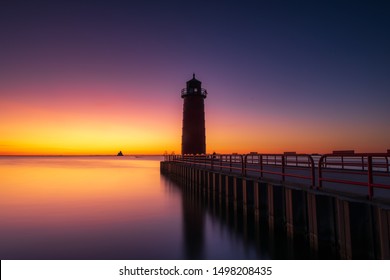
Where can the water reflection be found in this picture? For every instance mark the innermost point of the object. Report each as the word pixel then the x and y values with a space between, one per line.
pixel 86 208
pixel 122 208
pixel 216 229
pixel 193 226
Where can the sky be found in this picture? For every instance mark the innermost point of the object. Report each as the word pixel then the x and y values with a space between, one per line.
pixel 96 77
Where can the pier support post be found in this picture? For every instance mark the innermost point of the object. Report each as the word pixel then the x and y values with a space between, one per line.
pixel 276 206
pixel 229 192
pixel 296 211
pixel 204 180
pixel 289 212
pixel 362 230
pixel 312 221
pixel 238 189
pixel 215 183
pixel 383 218
pixel 326 223
pixel 222 188
pixel 248 192
pixel 343 229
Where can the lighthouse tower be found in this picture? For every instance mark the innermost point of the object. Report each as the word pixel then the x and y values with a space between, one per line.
pixel 193 139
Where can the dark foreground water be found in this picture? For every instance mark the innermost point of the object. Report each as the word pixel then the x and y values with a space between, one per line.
pixel 123 208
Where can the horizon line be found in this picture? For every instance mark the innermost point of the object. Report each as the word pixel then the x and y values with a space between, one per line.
pixel 77 155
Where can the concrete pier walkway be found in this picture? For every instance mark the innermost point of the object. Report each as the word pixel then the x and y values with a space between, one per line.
pixel 340 200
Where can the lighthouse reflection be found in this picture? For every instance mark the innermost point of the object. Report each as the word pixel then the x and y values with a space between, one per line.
pixel 193 226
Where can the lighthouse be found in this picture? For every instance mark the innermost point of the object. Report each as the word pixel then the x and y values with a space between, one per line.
pixel 193 139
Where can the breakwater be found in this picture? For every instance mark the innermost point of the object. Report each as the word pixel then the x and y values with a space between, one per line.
pixel 351 225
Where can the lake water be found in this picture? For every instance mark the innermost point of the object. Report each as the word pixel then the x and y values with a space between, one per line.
pixel 120 208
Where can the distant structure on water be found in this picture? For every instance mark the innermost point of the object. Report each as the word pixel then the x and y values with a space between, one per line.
pixel 194 131
pixel 120 154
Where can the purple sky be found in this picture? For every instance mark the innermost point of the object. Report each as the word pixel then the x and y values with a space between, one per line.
pixel 320 67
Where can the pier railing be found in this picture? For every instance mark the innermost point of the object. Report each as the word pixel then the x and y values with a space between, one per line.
pixel 371 170
pixel 338 172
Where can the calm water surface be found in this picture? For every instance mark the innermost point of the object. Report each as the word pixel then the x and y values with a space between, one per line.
pixel 104 208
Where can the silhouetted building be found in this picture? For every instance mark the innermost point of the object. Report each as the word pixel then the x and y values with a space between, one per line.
pixel 193 139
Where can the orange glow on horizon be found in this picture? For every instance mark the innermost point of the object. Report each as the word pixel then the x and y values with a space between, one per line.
pixel 72 123
pixel 83 128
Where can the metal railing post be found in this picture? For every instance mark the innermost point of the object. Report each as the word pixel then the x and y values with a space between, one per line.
pixel 313 173
pixel 320 162
pixel 370 178
pixel 261 166
pixel 243 165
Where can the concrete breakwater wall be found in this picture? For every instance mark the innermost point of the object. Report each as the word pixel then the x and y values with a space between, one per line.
pixel 356 228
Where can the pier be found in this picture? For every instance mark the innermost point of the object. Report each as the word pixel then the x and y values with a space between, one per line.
pixel 339 200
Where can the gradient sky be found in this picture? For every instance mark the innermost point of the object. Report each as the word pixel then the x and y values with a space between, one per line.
pixel 96 77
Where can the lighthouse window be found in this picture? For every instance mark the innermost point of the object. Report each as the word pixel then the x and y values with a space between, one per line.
pixel 196 90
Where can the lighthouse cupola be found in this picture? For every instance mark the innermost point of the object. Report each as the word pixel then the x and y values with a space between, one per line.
pixel 194 87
